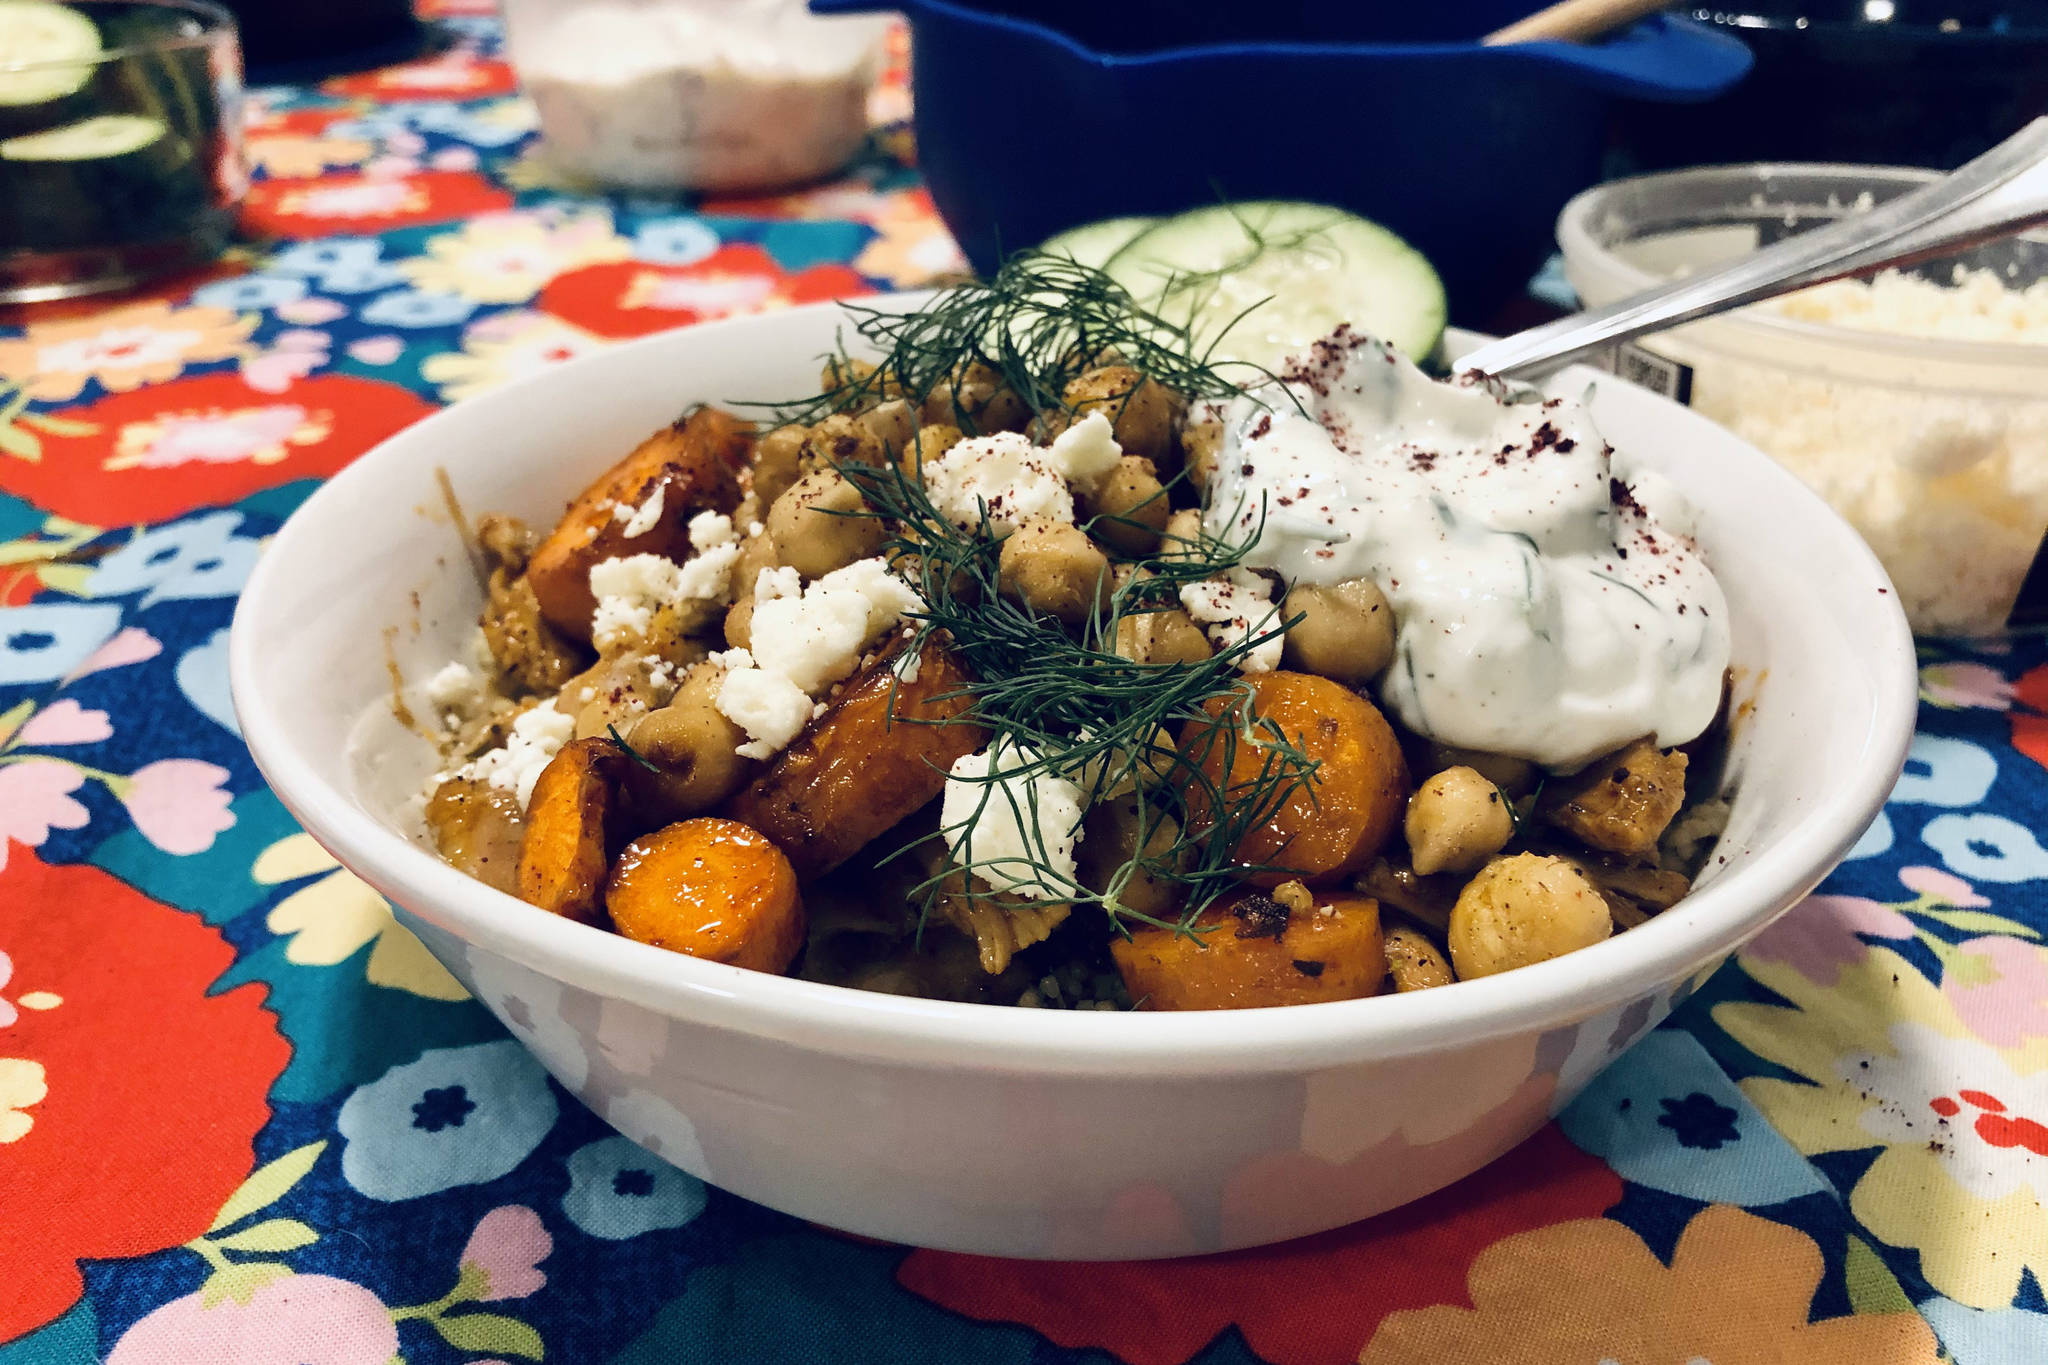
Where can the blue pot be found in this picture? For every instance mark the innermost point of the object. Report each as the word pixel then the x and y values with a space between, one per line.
pixel 1037 116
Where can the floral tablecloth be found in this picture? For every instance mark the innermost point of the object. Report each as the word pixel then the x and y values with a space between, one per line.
pixel 244 1117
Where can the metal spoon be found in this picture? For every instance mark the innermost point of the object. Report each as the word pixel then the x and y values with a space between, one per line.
pixel 2002 192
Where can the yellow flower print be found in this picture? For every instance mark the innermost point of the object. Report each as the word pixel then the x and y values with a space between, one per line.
pixel 22 1084
pixel 298 156
pixel 330 921
pixel 507 257
pixel 504 347
pixel 1963 1174
pixel 913 247
pixel 1737 1292
pixel 123 348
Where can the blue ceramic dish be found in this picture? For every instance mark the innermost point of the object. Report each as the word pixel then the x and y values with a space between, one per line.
pixel 1038 115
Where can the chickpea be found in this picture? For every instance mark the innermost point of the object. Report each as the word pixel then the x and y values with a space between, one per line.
pixel 739 624
pixel 976 400
pixel 622 689
pixel 1162 637
pixel 841 440
pixel 815 528
pixel 778 462
pixel 894 424
pixel 1182 536
pixel 1131 505
pixel 1456 821
pixel 1523 910
pixel 694 747
pixel 1110 840
pixel 1346 632
pixel 756 553
pixel 933 440
pixel 1515 776
pixel 1053 567
pixel 1201 446
pixel 1143 411
pixel 840 372
pixel 1414 962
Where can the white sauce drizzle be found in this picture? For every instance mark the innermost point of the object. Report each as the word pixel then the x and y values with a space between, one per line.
pixel 1550 603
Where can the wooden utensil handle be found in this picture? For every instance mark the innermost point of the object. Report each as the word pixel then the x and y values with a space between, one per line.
pixel 1573 21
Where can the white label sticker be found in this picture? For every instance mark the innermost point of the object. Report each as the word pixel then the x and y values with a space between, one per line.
pixel 1651 371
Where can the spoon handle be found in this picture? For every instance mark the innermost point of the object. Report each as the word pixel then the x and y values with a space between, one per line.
pixel 2001 192
pixel 1572 21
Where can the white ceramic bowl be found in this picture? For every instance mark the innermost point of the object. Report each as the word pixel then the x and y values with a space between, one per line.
pixel 1031 1132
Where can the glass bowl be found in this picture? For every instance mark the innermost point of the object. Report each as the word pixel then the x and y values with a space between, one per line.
pixel 1934 447
pixel 124 161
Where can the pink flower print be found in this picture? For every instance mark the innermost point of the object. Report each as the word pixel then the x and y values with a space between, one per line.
pixel 1959 685
pixel 376 350
pixel 63 721
pixel 311 311
pixel 179 804
pixel 1817 937
pixel 455 159
pixel 296 354
pixel 1999 987
pixel 133 645
pixel 35 798
pixel 260 435
pixel 1945 887
pixel 391 167
pixel 504 1254
pixel 292 1320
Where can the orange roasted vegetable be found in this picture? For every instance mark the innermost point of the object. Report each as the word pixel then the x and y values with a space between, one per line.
pixel 872 759
pixel 1329 827
pixel 570 830
pixel 1252 950
pixel 710 888
pixel 695 464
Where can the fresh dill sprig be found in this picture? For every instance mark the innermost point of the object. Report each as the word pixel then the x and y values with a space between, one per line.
pixel 1090 716
pixel 1038 324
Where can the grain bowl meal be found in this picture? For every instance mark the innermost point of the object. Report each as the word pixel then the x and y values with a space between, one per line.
pixel 1049 656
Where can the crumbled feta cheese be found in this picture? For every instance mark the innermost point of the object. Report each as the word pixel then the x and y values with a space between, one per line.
pixel 770 708
pixel 660 673
pixel 804 640
pixel 754 528
pixel 1087 451
pixel 1233 608
pixel 537 735
pixel 813 640
pixel 1015 831
pixel 1005 475
pixel 709 530
pixel 456 693
pixel 890 599
pixel 781 581
pixel 629 591
pixel 644 518
pixel 908 663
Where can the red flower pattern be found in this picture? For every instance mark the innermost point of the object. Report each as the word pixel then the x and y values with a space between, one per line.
pixel 633 298
pixel 154 1089
pixel 1310 1302
pixel 201 440
pixel 329 204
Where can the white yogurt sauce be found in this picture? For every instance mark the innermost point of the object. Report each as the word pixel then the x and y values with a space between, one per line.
pixel 1549 600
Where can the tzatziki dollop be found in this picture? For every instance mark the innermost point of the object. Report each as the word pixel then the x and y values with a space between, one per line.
pixel 1549 599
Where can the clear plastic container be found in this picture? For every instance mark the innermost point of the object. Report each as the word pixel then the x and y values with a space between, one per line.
pixel 1935 449
pixel 716 95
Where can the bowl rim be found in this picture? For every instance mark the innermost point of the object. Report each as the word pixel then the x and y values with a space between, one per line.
pixel 1575 235
pixel 867 1026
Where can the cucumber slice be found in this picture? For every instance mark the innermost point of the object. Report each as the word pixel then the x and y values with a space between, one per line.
pixel 1262 280
pixel 55 43
pixel 110 180
pixel 1092 244
pixel 93 139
